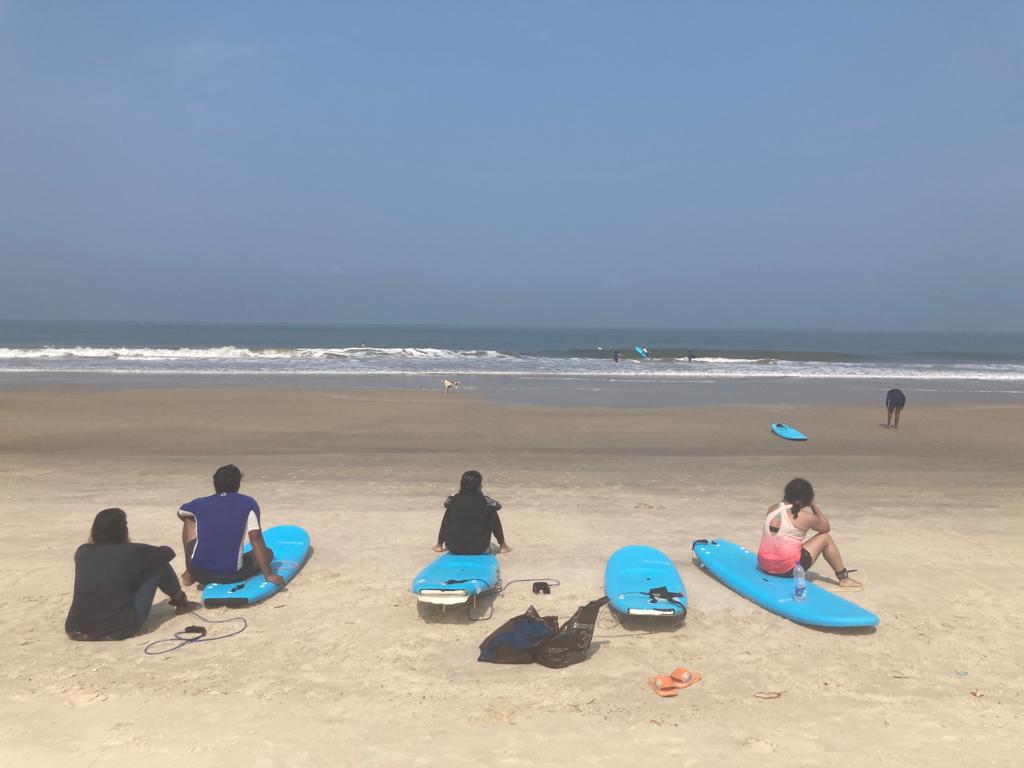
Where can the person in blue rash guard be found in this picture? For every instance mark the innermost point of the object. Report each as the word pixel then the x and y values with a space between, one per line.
pixel 214 530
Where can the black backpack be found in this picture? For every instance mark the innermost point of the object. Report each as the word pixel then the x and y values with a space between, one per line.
pixel 530 637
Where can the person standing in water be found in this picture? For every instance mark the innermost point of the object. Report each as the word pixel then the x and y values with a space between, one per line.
pixel 616 355
pixel 469 519
pixel 895 400
pixel 689 355
pixel 783 540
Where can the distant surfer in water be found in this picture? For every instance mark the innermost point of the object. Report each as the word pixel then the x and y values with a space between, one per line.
pixel 616 355
pixel 689 355
pixel 785 530
pixel 895 400
pixel 469 519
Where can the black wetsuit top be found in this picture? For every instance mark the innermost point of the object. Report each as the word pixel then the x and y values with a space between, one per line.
pixel 469 520
pixel 106 577
pixel 895 398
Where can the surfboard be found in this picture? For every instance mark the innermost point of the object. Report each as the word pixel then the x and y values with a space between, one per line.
pixel 291 550
pixel 736 567
pixel 633 572
pixel 453 579
pixel 787 432
pixel 640 351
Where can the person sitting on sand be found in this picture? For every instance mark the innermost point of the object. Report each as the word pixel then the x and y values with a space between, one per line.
pixel 116 580
pixel 785 529
pixel 895 401
pixel 214 530
pixel 469 519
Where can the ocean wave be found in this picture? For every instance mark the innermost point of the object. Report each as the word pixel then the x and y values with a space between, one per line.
pixel 430 361
pixel 238 353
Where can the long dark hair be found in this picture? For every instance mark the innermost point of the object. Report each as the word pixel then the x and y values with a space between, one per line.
pixel 799 493
pixel 472 482
pixel 110 527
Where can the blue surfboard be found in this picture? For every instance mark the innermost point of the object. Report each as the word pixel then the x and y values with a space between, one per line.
pixel 453 579
pixel 736 567
pixel 633 572
pixel 640 351
pixel 787 432
pixel 291 550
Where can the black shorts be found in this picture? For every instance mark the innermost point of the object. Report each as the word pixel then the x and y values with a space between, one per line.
pixel 249 568
pixel 805 562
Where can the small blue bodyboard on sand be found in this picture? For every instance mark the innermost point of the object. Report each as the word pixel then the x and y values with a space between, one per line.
pixel 291 550
pixel 453 579
pixel 632 572
pixel 787 432
pixel 736 567
pixel 640 351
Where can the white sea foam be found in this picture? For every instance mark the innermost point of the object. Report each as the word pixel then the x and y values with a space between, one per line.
pixel 236 353
pixel 403 361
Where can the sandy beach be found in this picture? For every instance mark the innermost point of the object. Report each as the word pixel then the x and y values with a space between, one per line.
pixel 341 670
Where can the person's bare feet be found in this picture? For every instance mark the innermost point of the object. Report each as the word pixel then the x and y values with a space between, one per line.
pixel 848 582
pixel 187 579
pixel 438 548
pixel 504 548
pixel 183 605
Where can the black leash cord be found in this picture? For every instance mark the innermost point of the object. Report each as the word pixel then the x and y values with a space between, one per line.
pixel 549 582
pixel 195 634
pixel 499 590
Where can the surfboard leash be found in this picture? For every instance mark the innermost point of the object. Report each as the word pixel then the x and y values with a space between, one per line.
pixel 195 634
pixel 497 591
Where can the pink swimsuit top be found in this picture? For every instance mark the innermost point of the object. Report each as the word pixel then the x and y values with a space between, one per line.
pixel 779 552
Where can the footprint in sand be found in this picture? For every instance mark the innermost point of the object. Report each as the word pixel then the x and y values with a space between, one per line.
pixel 759 746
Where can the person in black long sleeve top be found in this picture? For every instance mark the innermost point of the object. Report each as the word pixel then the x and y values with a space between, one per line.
pixel 469 519
pixel 116 580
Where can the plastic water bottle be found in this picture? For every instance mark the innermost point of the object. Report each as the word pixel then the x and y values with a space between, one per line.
pixel 799 583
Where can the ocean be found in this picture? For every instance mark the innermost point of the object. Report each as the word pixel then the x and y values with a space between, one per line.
pixel 508 360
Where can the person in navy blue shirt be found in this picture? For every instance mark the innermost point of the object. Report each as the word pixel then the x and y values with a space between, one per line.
pixel 214 530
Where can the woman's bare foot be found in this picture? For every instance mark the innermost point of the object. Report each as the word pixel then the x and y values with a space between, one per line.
pixel 848 582
pixel 504 548
pixel 183 605
pixel 187 579
pixel 438 548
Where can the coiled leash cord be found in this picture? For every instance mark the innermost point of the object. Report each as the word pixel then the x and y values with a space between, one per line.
pixel 194 634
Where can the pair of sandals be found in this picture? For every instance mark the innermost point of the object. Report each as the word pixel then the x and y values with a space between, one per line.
pixel 671 685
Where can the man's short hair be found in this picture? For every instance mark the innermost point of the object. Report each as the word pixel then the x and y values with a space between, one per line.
pixel 227 479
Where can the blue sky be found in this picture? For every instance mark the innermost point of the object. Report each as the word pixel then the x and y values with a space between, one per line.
pixel 729 164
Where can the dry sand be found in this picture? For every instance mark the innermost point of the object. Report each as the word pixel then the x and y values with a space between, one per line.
pixel 340 669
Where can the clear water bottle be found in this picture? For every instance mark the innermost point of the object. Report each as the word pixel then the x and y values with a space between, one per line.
pixel 799 583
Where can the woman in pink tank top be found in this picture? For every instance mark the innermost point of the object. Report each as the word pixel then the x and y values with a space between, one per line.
pixel 784 538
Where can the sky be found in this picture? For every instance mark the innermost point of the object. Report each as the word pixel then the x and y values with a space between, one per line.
pixel 810 165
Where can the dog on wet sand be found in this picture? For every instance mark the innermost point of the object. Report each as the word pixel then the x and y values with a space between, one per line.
pixel 449 386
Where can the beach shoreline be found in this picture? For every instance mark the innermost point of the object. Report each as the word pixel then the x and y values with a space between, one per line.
pixel 340 663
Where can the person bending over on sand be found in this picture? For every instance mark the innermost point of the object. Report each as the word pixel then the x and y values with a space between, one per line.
pixel 895 400
pixel 469 519
pixel 214 530
pixel 116 580
pixel 786 527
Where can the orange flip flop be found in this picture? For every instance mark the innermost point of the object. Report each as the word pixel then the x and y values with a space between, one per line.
pixel 684 678
pixel 663 685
